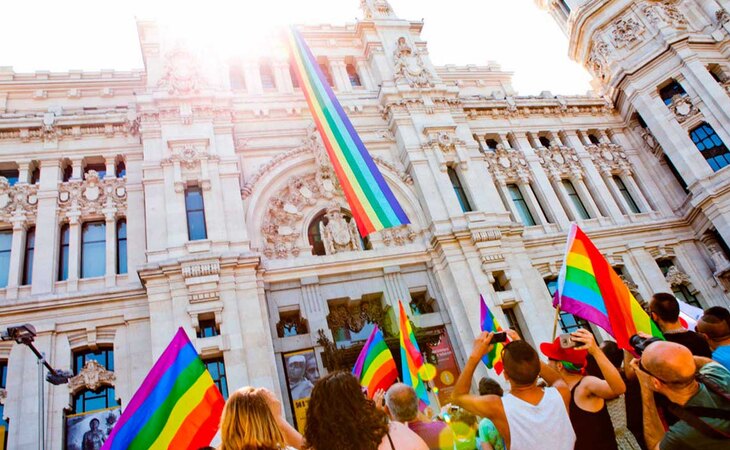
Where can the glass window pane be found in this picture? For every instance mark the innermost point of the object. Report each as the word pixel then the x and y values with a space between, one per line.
pixel 711 146
pixel 122 247
pixel 575 198
pixel 195 214
pixel 522 209
pixel 93 250
pixel 28 259
pixel 6 240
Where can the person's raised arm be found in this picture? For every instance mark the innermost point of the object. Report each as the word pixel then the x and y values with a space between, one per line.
pixel 292 437
pixel 484 406
pixel 613 385
pixel 653 428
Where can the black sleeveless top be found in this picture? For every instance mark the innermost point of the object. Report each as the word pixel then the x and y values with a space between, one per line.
pixel 593 430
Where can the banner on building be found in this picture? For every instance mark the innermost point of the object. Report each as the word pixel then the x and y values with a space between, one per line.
pixel 447 371
pixel 90 430
pixel 301 374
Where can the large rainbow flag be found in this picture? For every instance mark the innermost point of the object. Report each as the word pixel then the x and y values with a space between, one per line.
pixel 493 359
pixel 177 406
pixel 411 359
pixel 588 287
pixel 375 367
pixel 373 204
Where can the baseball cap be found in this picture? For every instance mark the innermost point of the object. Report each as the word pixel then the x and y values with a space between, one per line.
pixel 553 350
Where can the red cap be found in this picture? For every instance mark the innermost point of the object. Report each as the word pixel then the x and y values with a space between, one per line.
pixel 553 350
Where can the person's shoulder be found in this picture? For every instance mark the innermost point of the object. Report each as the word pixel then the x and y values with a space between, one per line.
pixel 404 437
pixel 717 372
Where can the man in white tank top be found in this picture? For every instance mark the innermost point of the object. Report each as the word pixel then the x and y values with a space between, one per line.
pixel 529 417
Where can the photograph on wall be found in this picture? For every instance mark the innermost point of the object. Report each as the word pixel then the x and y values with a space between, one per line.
pixel 301 374
pixel 89 431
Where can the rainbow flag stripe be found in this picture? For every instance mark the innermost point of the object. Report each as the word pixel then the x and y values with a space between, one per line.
pixel 588 287
pixel 374 207
pixel 493 359
pixel 410 357
pixel 177 406
pixel 375 367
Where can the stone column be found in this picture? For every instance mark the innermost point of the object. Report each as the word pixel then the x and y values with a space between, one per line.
pixel 396 289
pixel 585 195
pixel 545 188
pixel 314 308
pixel 617 196
pixel 564 198
pixel 177 233
pixel 504 193
pixel 253 77
pixel 532 202
pixel 594 180
pixel 23 171
pixel 111 170
pixel 363 72
pixel 339 75
pixel 709 91
pixel 47 229
pixel 675 141
pixel 17 254
pixel 649 269
pixel 136 236
pixel 281 76
pixel 74 250
pixel 77 168
pixel 110 275
pixel 630 182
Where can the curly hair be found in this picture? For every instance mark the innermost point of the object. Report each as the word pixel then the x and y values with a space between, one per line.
pixel 339 416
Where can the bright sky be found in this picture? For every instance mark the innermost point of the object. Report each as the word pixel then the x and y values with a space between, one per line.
pixel 99 34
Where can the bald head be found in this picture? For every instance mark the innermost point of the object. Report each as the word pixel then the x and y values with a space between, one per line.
pixel 715 328
pixel 671 363
pixel 402 402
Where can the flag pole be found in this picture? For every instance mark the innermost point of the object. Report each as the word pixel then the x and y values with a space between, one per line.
pixel 555 322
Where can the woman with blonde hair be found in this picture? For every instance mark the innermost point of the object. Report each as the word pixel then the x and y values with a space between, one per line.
pixel 252 420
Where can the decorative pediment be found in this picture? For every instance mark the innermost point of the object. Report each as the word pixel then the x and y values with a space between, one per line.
pixel 627 32
pixel 20 200
pixel 181 73
pixel 409 67
pixel 609 158
pixel 92 196
pixel 682 107
pixel 676 277
pixel 560 162
pixel 508 165
pixel 92 377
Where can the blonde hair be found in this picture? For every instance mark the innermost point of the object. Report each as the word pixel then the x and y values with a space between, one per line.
pixel 247 422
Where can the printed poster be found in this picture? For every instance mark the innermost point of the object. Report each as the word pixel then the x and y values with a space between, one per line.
pixel 301 374
pixel 89 431
pixel 447 371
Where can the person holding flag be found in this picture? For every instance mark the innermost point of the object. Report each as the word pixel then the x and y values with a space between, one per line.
pixel 411 358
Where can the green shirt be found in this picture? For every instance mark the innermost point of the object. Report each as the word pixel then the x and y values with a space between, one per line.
pixel 682 436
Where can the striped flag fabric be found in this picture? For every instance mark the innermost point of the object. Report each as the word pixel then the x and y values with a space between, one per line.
pixel 410 357
pixel 493 359
pixel 374 206
pixel 588 287
pixel 178 406
pixel 375 366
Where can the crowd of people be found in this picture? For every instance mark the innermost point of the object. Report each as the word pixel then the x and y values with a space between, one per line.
pixel 663 394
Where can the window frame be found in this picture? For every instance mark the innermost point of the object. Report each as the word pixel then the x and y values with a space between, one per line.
pixel 189 212
pixel 28 254
pixel 717 156
pixel 576 200
pixel 85 254
pixel 5 272
pixel 526 216
pixel 64 251
pixel 459 190
pixel 626 194
pixel 222 385
pixel 121 261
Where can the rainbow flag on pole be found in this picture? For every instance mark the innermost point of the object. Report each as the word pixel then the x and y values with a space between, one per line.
pixel 588 287
pixel 410 357
pixel 375 367
pixel 493 359
pixel 373 204
pixel 177 406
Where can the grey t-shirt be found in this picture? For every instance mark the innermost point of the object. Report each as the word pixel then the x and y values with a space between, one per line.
pixel 682 436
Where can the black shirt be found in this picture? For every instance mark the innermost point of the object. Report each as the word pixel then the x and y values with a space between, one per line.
pixel 693 341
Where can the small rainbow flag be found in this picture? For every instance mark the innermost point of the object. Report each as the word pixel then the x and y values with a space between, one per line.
pixel 411 359
pixel 375 367
pixel 373 204
pixel 589 288
pixel 493 359
pixel 177 406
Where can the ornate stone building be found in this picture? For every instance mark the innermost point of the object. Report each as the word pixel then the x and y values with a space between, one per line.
pixel 196 193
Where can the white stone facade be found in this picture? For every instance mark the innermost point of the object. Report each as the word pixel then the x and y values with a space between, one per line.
pixel 241 132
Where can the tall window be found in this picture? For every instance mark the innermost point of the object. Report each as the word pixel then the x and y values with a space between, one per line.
pixel 459 190
pixel 122 246
pixel 670 90
pixel 35 175
pixel 324 67
pixel 11 175
pixel 512 322
pixel 353 76
pixel 575 198
pixel 3 423
pixel 6 240
pixel 711 146
pixel 626 194
pixel 102 398
pixel 93 249
pixel 267 76
pixel 491 144
pixel 28 260
pixel 68 172
pixel 675 172
pixel 196 214
pixel 120 169
pixel 217 370
pixel 238 79
pixel 521 205
pixel 564 7
pixel 293 75
pixel 63 253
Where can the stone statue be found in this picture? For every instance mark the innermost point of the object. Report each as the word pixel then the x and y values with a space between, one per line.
pixel 339 235
pixel 409 66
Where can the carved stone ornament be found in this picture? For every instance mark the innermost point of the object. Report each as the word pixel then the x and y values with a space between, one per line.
pixel 719 260
pixel 444 140
pixel 409 67
pixel 650 141
pixel 20 200
pixel 375 9
pixel 92 196
pixel 560 162
pixel 627 31
pixel 682 107
pixel 675 277
pixel 664 12
pixel 508 165
pixel 3 397
pixel 91 377
pixel 339 235
pixel 354 316
pixel 398 236
pixel 181 73
pixel 288 322
pixel 722 17
pixel 609 158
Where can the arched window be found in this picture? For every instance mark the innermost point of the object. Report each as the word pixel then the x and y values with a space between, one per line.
pixel 102 398
pixel 315 237
pixel 594 139
pixel 545 142
pixel 711 146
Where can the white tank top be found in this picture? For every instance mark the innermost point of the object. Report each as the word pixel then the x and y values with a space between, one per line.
pixel 545 426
